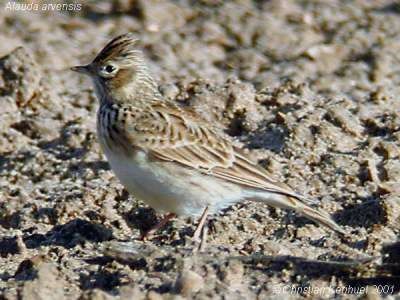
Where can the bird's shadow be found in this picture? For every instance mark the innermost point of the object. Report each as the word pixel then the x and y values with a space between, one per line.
pixel 69 235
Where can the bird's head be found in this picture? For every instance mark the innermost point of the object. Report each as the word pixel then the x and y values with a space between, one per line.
pixel 119 72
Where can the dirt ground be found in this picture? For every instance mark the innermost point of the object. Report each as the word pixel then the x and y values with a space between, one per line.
pixel 311 88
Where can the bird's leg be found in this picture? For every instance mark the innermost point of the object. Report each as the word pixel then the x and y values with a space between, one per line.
pixel 147 234
pixel 203 241
pixel 197 232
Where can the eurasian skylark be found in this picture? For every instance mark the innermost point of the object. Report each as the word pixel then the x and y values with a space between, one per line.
pixel 169 157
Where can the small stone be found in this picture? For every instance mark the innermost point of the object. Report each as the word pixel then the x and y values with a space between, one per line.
pixel 372 170
pixel 128 292
pixel 189 283
pixel 19 76
pixel 47 286
pixel 232 274
pixel 347 121
pixel 390 149
pixel 240 104
pixel 392 168
pixel 391 206
pixel 8 106
pixel 152 295
pixel 326 56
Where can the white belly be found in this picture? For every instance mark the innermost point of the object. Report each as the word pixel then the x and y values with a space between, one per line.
pixel 171 188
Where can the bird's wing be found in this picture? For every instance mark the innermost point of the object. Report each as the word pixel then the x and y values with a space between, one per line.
pixel 168 133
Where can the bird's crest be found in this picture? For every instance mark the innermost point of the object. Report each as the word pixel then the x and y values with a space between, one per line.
pixel 121 48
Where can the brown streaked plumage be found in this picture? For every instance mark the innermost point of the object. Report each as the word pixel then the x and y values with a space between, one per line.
pixel 120 48
pixel 168 156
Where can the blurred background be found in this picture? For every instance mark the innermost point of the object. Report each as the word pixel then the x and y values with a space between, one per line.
pixel 337 46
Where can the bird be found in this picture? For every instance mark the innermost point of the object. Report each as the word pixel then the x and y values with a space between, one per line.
pixel 170 157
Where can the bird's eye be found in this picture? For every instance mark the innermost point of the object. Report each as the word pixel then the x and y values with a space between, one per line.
pixel 109 68
pixel 108 71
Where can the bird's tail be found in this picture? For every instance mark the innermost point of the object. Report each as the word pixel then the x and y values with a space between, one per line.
pixel 299 205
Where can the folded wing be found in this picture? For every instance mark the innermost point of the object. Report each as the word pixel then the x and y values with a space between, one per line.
pixel 169 134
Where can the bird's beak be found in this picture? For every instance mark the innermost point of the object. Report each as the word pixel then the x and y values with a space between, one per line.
pixel 82 69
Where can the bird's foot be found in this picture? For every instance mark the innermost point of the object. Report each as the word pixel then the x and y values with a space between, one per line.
pixel 200 233
pixel 147 235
